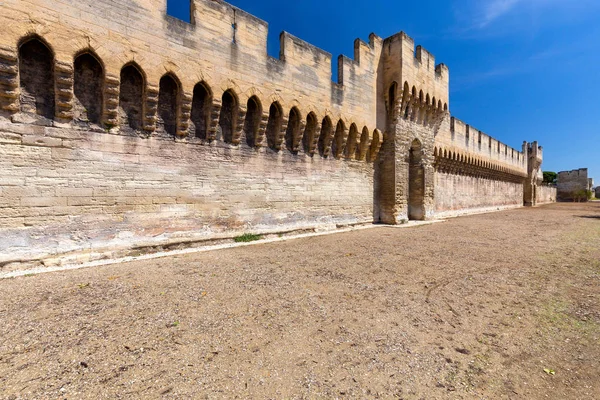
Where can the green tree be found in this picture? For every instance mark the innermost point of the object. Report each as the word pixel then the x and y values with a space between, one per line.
pixel 550 177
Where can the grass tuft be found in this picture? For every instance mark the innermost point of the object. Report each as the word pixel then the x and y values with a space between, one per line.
pixel 247 237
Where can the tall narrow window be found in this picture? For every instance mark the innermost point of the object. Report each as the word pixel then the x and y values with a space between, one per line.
pixel 200 115
pixel 308 139
pixel 227 117
pixel 293 130
pixel 36 73
pixel 87 88
pixel 131 98
pixel 168 104
pixel 252 122
pixel 274 126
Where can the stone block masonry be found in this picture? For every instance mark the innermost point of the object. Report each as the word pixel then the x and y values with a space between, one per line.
pixel 123 128
pixel 98 191
pixel 546 194
pixel 571 185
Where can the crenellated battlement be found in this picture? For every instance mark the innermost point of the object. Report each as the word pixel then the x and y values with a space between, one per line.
pixel 427 61
pixel 212 80
pixel 218 62
pixel 465 139
pixel 571 184
pixel 121 125
pixel 415 68
pixel 225 49
pixel 581 172
pixel 534 150
pixel 464 150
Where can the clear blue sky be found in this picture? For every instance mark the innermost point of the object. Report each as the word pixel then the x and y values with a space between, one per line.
pixel 519 69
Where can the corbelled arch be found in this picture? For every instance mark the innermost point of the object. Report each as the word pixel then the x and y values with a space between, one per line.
pixel 421 108
pixel 364 143
pixel 426 109
pixel 339 139
pixel 36 77
pixel 310 137
pixel 169 103
pixel 376 142
pixel 326 136
pixel 88 87
pixel 294 130
pixel 274 126
pixel 228 116
pixel 352 142
pixel 132 88
pixel 201 110
pixel 253 120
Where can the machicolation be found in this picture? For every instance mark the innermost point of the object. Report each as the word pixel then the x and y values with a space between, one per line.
pixel 122 127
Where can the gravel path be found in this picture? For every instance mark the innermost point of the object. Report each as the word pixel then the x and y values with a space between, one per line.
pixel 494 306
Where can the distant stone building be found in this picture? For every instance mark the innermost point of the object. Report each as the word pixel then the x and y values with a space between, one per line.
pixel 571 184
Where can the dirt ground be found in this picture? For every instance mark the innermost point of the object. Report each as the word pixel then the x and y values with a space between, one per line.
pixel 496 306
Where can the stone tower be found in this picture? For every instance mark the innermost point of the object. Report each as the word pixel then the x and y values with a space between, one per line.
pixel 414 97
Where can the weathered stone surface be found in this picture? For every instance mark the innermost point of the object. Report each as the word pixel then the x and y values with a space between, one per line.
pixel 546 194
pixel 121 126
pixel 572 185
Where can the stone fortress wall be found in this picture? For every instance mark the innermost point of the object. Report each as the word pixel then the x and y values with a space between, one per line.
pixel 123 128
pixel 487 165
pixel 568 183
pixel 546 194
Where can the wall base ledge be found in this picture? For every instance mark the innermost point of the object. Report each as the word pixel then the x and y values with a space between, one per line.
pixel 472 211
pixel 148 249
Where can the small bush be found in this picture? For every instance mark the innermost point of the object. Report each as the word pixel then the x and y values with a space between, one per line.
pixel 247 237
pixel 582 195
